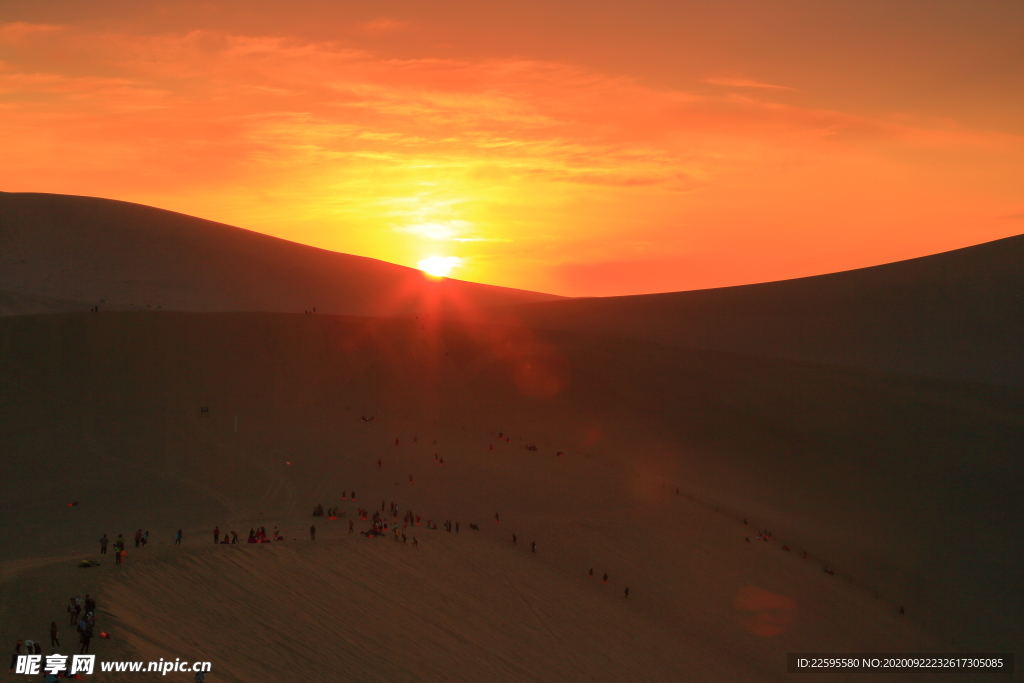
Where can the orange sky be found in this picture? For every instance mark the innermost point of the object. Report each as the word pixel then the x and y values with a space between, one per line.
pixel 565 147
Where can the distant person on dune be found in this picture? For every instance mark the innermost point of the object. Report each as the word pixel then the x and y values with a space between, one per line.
pixel 312 532
pixel 19 649
pixel 54 641
pixel 177 537
pixel 351 528
pixel 415 543
pixel 145 538
pixel 514 539
pixel 533 546
pixel 216 534
pixel 103 544
pixel 497 517
pixel 138 537
pixel 234 538
pixel 604 579
pixel 627 592
pixel 84 639
pixel 591 573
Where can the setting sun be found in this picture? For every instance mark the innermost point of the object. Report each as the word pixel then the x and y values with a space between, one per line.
pixel 725 266
pixel 439 266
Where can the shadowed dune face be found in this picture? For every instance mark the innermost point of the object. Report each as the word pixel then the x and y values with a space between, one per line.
pixel 63 253
pixel 907 486
pixel 958 315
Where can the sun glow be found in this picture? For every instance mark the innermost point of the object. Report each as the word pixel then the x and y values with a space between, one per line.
pixel 439 266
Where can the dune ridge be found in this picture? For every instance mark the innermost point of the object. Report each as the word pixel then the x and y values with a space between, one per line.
pixel 871 421
pixel 958 315
pixel 62 253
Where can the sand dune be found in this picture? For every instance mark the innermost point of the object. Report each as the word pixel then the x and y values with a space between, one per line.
pixel 871 420
pixel 66 253
pixel 959 315
pixel 908 487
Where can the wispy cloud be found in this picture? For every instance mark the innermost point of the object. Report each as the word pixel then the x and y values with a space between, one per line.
pixel 511 160
pixel 383 25
pixel 19 31
pixel 744 83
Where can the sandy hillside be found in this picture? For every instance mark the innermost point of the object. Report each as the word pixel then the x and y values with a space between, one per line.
pixel 959 315
pixel 907 487
pixel 67 253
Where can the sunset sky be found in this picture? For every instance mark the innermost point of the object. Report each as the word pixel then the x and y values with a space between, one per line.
pixel 579 148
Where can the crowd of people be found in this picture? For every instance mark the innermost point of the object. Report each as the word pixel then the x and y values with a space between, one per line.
pixel 118 546
pixel 259 535
pixel 82 615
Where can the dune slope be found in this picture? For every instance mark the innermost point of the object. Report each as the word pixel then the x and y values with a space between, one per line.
pixel 907 487
pixel 67 253
pixel 958 314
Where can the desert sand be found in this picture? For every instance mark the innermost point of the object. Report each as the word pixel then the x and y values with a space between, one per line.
pixel 651 462
pixel 61 253
pixel 958 315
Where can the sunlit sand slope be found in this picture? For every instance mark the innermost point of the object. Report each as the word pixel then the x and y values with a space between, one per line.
pixel 67 253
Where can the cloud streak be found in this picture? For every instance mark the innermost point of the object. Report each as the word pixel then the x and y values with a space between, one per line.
pixel 522 164
pixel 744 83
